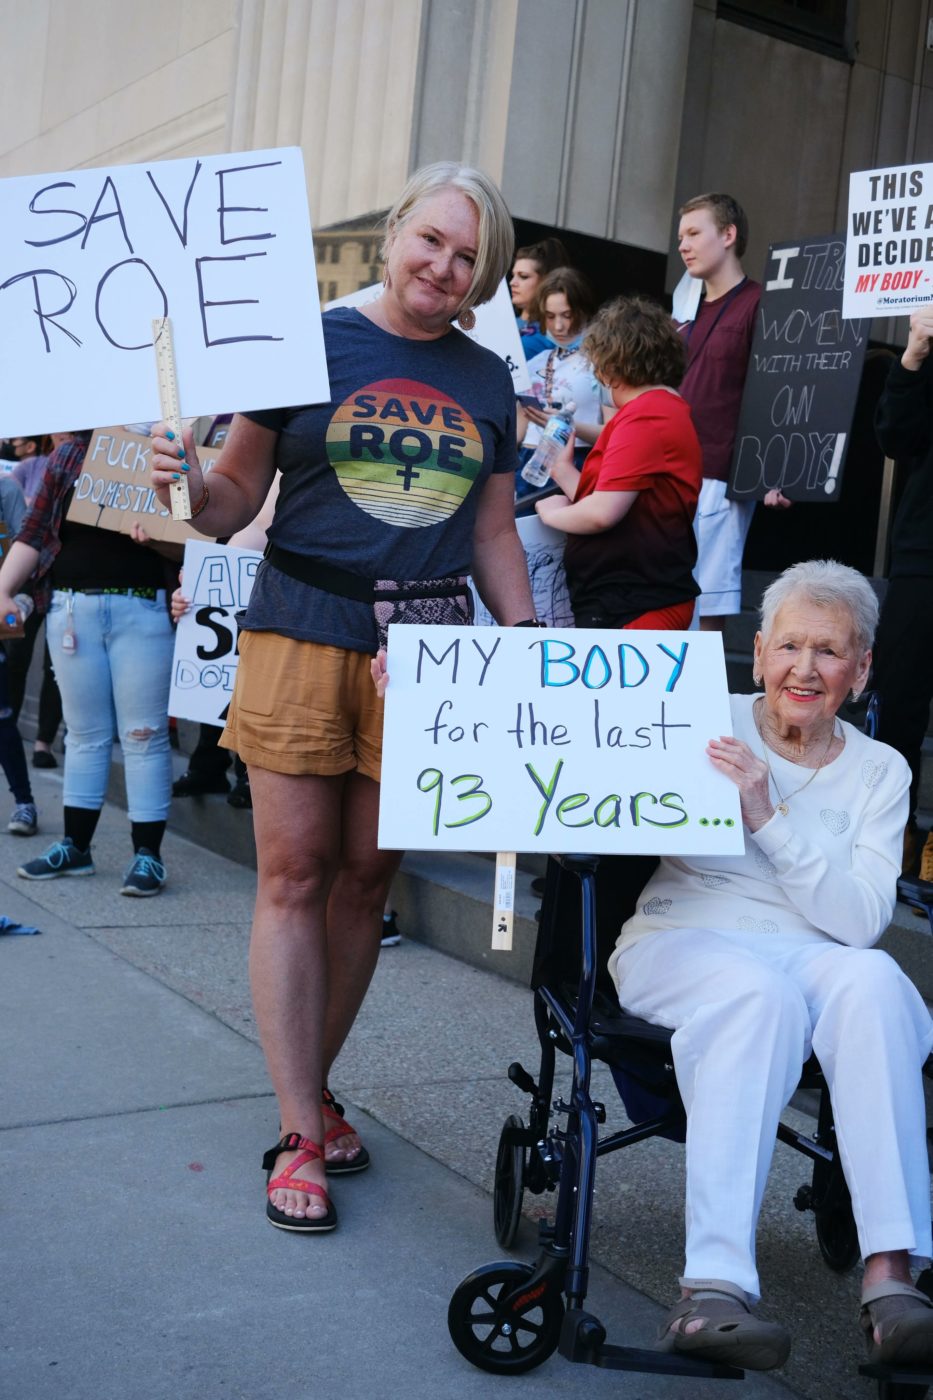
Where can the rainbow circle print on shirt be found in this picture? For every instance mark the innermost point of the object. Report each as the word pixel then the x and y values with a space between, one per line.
pixel 404 452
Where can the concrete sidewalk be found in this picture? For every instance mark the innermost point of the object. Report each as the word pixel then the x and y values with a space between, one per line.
pixel 134 1113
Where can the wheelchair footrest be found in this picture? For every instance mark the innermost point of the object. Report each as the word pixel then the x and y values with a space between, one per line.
pixel 583 1339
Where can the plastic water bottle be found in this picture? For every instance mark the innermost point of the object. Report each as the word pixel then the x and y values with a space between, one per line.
pixel 555 435
pixel 25 605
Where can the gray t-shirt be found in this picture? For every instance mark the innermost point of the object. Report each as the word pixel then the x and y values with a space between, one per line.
pixel 384 480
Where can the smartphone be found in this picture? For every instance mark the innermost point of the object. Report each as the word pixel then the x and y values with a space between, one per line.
pixel 529 401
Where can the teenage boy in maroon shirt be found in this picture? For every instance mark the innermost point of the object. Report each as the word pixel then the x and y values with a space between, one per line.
pixel 712 236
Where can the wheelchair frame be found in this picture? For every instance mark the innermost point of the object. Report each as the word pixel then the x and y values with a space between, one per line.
pixel 509 1317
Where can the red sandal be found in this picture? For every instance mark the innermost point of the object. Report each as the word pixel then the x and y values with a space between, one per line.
pixel 333 1111
pixel 308 1151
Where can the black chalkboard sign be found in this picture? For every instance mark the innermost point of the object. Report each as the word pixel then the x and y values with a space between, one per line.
pixel 803 377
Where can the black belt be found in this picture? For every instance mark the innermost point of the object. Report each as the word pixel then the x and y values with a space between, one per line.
pixel 341 582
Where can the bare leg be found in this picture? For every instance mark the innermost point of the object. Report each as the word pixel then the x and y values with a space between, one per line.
pixel 354 924
pixel 297 824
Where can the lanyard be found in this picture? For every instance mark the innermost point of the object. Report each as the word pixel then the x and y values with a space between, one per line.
pixel 730 296
pixel 560 352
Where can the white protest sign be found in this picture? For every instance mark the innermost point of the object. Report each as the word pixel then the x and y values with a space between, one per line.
pixel 889 242
pixel 495 328
pixel 508 739
pixel 544 555
pixel 221 244
pixel 218 580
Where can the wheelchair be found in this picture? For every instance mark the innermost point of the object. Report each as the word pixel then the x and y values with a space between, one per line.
pixel 507 1318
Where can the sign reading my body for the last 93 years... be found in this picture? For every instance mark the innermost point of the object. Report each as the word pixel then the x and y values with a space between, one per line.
pixel 513 739
pixel 889 241
pixel 221 244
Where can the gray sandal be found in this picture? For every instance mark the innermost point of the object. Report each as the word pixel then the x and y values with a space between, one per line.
pixel 904 1317
pixel 729 1330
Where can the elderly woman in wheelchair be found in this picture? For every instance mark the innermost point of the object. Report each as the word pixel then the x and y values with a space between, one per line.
pixel 756 960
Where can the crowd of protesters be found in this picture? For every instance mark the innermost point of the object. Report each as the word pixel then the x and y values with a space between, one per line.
pixel 652 541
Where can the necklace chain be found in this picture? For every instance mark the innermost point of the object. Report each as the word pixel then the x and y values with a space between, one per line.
pixel 782 800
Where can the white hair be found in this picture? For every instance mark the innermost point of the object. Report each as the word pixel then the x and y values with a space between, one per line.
pixel 826 584
pixel 496 241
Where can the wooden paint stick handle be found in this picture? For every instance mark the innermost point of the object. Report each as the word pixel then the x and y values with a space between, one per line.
pixel 504 902
pixel 171 408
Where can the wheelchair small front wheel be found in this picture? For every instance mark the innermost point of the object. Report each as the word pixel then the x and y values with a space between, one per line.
pixel 506 1339
pixel 509 1184
pixel 836 1235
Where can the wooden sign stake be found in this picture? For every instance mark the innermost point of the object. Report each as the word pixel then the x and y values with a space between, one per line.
pixel 171 410
pixel 503 911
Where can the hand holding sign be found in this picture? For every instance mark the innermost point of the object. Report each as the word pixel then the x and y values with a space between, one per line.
pixel 919 340
pixel 172 461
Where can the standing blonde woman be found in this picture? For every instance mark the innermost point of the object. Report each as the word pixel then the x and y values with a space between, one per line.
pixel 404 478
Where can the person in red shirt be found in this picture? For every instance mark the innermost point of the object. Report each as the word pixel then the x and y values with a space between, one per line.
pixel 631 550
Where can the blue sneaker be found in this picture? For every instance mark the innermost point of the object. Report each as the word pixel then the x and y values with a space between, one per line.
pixel 63 858
pixel 25 820
pixel 144 876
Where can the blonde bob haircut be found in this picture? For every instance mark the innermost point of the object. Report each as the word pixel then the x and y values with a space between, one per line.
pixel 496 241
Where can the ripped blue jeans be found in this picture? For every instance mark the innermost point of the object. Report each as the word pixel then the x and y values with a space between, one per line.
pixel 114 682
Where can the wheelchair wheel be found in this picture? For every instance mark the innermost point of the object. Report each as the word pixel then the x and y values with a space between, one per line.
pixel 509 1185
pixel 504 1341
pixel 836 1235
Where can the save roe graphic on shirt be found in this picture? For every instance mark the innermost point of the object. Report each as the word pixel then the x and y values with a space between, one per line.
pixel 384 480
pixel 404 452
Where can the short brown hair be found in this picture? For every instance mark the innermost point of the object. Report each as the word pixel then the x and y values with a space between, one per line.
pixel 726 212
pixel 576 288
pixel 634 340
pixel 546 254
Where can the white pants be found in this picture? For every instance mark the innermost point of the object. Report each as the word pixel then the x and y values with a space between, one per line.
pixel 746 1009
pixel 720 526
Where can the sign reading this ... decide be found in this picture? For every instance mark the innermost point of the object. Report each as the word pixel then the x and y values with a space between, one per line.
pixel 889 243
pixel 88 258
pixel 507 739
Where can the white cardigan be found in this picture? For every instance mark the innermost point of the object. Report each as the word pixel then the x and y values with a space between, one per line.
pixel 828 869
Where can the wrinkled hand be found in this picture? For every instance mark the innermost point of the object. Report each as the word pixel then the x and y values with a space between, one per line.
pixel 918 342
pixel 735 759
pixel 180 604
pixel 377 669
pixel 777 500
pixel 169 461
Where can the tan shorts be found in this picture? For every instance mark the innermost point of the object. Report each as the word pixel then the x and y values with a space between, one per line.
pixel 300 707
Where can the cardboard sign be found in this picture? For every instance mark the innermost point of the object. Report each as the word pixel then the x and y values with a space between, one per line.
pixel 803 378
pixel 544 555
pixel 505 739
pixel 889 241
pixel 218 580
pixel 495 328
pixel 114 492
pixel 221 244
